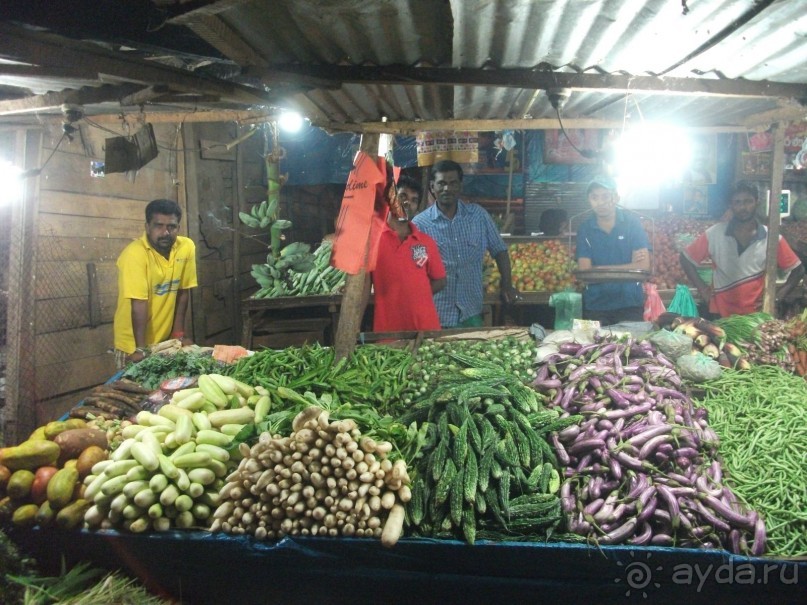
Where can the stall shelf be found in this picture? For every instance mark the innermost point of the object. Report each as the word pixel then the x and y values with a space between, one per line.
pixel 198 568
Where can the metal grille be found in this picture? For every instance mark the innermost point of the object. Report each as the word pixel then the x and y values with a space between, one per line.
pixel 5 219
pixel 540 196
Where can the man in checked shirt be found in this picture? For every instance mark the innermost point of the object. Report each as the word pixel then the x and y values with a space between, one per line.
pixel 463 231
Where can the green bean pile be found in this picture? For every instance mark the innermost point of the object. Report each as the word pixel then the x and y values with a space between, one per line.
pixel 760 416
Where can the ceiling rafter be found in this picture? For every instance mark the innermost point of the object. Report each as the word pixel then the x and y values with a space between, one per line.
pixel 53 100
pixel 336 75
pixel 49 50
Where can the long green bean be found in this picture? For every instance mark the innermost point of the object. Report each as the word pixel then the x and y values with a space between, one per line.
pixel 760 416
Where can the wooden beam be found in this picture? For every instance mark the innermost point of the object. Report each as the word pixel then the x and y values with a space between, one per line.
pixel 777 175
pixel 48 50
pixel 352 309
pixel 250 116
pixel 413 126
pixel 788 111
pixel 88 95
pixel 405 75
pixel 144 95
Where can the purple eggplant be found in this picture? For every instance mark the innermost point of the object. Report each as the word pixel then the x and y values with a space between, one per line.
pixel 629 461
pixel 547 384
pixel 560 451
pixel 569 433
pixel 569 348
pixel 672 505
pixel 725 511
pixel 661 540
pixel 637 485
pixel 653 431
pixel 711 518
pixel 584 445
pixel 649 509
pixel 620 534
pixel 760 538
pixel 634 410
pixel 644 535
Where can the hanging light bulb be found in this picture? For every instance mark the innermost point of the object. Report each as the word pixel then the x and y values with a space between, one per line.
pixel 290 121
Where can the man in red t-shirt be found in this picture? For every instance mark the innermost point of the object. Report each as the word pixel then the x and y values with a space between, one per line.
pixel 408 270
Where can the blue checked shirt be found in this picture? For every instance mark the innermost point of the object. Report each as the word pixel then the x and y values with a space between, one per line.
pixel 462 242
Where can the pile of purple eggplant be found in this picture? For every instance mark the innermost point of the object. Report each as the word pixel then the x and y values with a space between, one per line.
pixel 640 468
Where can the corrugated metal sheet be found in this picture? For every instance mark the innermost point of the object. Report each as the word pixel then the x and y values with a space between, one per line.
pixel 716 38
pixel 752 39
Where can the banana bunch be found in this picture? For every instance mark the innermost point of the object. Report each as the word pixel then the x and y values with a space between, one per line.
pixel 710 340
pixel 261 215
pixel 297 272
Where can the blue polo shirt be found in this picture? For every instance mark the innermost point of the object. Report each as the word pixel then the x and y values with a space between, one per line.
pixel 615 248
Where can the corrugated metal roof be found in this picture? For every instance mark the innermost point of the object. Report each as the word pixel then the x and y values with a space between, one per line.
pixel 755 40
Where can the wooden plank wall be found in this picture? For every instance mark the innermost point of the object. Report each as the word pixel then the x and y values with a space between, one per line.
pixel 219 186
pixel 84 220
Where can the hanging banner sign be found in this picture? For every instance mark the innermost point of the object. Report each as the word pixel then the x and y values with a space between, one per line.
pixel 462 147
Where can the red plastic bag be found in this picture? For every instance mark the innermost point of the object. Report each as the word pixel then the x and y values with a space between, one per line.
pixel 653 307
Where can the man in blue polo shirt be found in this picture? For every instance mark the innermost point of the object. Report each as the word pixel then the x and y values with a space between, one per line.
pixel 463 232
pixel 611 239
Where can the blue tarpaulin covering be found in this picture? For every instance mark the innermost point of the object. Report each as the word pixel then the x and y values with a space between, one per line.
pixel 199 567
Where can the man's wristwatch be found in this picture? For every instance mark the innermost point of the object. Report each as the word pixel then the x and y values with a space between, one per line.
pixel 142 350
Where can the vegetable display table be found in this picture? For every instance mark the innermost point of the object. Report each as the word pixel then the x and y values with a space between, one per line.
pixel 200 568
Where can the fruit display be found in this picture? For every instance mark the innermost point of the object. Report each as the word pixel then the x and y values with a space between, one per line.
pixel 536 266
pixel 668 236
pixel 795 232
pixel 41 478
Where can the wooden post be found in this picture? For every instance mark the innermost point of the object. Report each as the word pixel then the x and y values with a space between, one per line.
pixel 352 310
pixel 94 298
pixel 19 415
pixel 777 175
pixel 190 155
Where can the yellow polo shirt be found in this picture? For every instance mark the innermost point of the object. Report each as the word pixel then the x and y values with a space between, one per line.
pixel 145 274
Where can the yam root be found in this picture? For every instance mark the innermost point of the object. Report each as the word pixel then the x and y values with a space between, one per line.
pixel 75 441
pixel 129 387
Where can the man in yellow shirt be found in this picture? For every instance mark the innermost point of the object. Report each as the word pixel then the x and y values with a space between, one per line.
pixel 155 274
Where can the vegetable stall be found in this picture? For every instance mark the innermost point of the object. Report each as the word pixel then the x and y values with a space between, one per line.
pixel 425 466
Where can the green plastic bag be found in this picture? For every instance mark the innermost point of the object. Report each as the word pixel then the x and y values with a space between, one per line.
pixel 683 303
pixel 568 307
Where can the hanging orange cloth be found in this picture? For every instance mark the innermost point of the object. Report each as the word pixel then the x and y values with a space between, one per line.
pixel 362 214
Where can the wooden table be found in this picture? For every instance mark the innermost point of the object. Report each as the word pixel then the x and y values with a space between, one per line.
pixel 257 311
